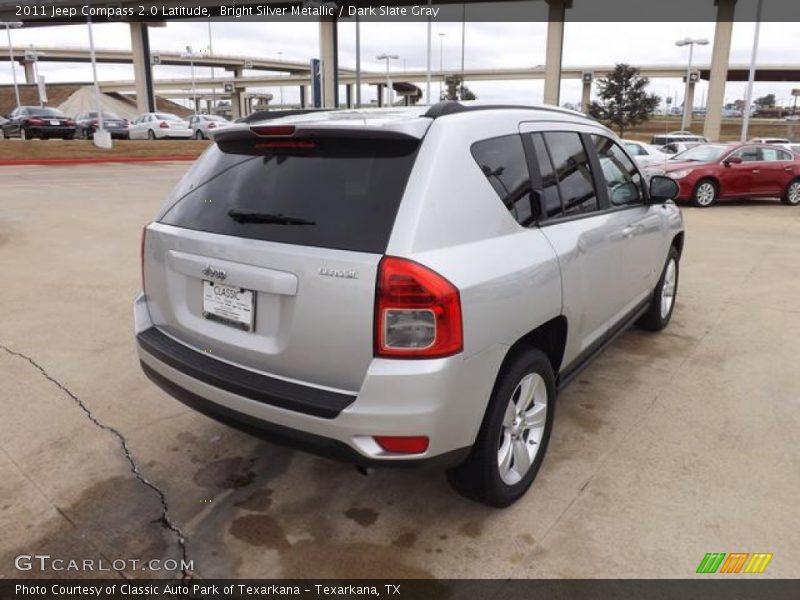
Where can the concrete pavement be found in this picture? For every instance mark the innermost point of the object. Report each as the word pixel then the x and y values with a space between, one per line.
pixel 669 446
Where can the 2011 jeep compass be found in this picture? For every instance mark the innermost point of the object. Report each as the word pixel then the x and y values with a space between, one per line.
pixel 404 286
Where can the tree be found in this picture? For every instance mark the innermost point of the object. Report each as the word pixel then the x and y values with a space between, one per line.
pixel 456 90
pixel 624 101
pixel 767 101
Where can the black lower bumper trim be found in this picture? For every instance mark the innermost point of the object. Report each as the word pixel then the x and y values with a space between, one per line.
pixel 293 438
pixel 261 388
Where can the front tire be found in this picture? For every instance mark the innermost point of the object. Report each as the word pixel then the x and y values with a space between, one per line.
pixel 513 438
pixel 659 313
pixel 791 196
pixel 705 193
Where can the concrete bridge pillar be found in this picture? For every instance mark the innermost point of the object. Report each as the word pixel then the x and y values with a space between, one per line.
pixel 329 54
pixel 720 59
pixel 142 69
pixel 554 49
pixel 688 106
pixel 30 73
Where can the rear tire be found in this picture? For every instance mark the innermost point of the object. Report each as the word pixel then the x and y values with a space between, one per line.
pixel 705 193
pixel 791 197
pixel 513 437
pixel 659 313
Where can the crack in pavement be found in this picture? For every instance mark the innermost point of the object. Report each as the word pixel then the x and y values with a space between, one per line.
pixel 164 519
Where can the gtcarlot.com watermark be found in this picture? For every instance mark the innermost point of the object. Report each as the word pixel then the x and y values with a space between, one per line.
pixel 46 563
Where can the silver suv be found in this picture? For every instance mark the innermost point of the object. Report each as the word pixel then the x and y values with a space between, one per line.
pixel 404 286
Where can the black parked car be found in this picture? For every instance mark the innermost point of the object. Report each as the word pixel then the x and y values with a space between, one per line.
pixel 87 123
pixel 29 122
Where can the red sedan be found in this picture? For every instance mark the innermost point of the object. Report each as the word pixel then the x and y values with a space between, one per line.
pixel 714 172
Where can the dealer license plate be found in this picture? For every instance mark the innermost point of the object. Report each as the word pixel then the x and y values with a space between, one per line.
pixel 55 122
pixel 229 305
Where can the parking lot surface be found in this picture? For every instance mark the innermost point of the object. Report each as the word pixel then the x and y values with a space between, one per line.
pixel 669 446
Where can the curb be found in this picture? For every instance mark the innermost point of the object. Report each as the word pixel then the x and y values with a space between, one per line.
pixel 93 160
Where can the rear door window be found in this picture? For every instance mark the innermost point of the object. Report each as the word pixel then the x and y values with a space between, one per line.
pixel 502 161
pixel 573 171
pixel 548 184
pixel 330 193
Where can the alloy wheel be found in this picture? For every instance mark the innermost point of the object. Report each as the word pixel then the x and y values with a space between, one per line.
pixel 668 288
pixel 705 193
pixel 522 429
pixel 793 194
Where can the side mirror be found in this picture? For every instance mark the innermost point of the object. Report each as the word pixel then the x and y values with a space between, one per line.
pixel 663 188
pixel 732 160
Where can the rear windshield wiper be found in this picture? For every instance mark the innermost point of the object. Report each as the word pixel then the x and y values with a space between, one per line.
pixel 243 216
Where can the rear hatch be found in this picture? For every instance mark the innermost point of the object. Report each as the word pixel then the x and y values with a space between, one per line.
pixel 266 254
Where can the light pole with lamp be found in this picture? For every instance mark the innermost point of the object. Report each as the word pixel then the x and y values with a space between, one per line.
pixel 9 25
pixel 441 62
pixel 687 110
pixel 387 58
pixel 280 59
pixel 190 55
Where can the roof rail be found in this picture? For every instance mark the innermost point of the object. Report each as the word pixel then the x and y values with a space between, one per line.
pixel 267 115
pixel 451 107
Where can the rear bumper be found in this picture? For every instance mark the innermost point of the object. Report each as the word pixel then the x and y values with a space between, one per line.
pixel 443 399
pixel 173 133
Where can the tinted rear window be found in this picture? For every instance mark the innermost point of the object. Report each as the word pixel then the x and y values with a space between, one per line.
pixel 349 189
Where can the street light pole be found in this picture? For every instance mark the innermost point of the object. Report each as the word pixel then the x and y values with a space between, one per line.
pixel 428 57
pixel 441 62
pixel 280 59
pixel 751 77
pixel 687 110
pixel 9 25
pixel 190 55
pixel 358 62
pixel 211 54
pixel 100 127
pixel 387 58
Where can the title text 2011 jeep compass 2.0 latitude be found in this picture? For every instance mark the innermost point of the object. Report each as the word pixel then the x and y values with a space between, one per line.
pixel 401 286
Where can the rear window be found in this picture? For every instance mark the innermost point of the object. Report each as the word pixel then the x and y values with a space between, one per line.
pixel 334 193
pixel 45 112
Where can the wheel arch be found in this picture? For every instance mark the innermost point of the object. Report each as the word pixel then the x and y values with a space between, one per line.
pixel 677 243
pixel 549 337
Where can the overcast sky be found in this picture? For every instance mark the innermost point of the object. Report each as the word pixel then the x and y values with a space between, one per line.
pixel 488 45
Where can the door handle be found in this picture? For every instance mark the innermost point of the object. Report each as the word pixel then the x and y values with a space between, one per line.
pixel 788 169
pixel 756 171
pixel 629 231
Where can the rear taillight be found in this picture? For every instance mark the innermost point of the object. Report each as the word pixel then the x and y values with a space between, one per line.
pixel 36 121
pixel 164 125
pixel 212 125
pixel 417 312
pixel 70 122
pixel 141 254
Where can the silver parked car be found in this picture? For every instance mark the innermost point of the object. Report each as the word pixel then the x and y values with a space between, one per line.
pixel 406 285
pixel 159 126
pixel 203 126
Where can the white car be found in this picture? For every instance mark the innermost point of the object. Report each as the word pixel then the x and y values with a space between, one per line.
pixel 645 155
pixel 202 126
pixel 674 148
pixel 769 140
pixel 159 126
pixel 794 147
